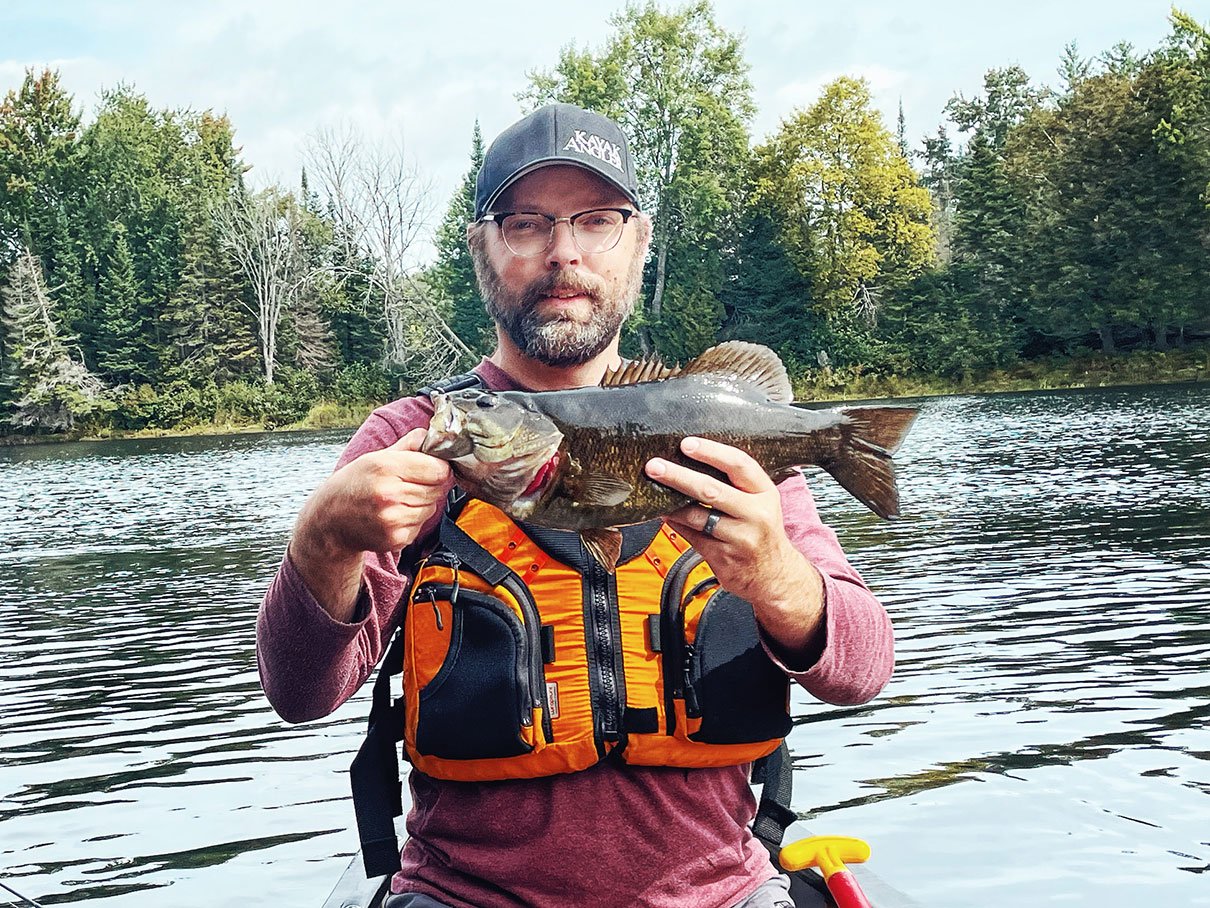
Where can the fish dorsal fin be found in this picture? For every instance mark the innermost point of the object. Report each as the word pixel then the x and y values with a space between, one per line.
pixel 636 371
pixel 604 545
pixel 751 364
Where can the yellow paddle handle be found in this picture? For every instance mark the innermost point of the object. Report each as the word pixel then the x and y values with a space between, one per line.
pixel 829 853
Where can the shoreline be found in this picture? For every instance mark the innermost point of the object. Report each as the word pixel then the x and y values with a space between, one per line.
pixel 1140 369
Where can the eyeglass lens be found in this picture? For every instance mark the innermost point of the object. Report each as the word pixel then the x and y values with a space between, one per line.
pixel 527 233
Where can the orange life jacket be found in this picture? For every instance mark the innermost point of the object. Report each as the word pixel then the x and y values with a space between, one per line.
pixel 523 657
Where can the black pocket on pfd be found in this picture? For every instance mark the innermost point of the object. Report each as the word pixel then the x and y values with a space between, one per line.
pixel 480 703
pixel 742 696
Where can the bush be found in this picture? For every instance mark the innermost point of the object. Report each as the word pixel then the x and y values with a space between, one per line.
pixel 361 383
pixel 329 414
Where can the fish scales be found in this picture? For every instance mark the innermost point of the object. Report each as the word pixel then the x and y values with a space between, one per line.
pixel 615 431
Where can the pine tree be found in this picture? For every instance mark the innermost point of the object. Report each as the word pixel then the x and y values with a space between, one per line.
pixel 453 276
pixel 50 389
pixel 901 133
pixel 122 345
pixel 38 161
pixel 211 335
pixel 768 300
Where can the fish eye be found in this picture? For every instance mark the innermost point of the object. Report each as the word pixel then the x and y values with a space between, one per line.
pixel 486 401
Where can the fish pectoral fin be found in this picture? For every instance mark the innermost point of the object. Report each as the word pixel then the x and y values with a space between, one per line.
pixel 601 490
pixel 605 545
pixel 752 364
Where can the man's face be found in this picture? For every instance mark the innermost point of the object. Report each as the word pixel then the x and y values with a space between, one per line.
pixel 563 306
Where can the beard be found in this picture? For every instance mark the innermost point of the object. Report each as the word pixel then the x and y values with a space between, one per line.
pixel 559 339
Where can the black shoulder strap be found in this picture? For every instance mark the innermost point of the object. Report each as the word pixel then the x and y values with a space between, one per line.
pixel 775 775
pixel 374 774
pixel 452 384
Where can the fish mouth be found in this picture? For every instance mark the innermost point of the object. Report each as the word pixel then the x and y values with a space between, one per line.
pixel 445 437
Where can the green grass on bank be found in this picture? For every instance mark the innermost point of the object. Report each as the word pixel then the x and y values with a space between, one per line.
pixel 324 414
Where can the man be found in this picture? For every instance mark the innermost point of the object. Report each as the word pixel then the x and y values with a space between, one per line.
pixel 559 243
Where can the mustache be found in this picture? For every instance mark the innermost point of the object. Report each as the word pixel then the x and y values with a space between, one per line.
pixel 562 282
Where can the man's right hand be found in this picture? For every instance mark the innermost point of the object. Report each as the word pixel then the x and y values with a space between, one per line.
pixel 376 503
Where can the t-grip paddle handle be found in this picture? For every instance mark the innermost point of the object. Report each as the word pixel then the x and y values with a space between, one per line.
pixel 829 853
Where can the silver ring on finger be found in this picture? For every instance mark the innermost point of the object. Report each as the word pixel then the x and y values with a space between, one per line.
pixel 711 524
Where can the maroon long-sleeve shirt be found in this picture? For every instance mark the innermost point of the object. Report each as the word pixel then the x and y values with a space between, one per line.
pixel 611 835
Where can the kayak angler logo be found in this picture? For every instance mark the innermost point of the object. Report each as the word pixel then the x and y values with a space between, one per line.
pixel 589 144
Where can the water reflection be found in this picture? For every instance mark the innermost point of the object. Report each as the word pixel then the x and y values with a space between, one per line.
pixel 1044 737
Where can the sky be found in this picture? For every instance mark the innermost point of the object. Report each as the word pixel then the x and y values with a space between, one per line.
pixel 422 73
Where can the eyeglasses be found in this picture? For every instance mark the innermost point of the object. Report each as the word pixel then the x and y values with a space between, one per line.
pixel 529 233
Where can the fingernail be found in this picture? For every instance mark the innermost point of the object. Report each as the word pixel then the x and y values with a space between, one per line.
pixel 689 445
pixel 655 466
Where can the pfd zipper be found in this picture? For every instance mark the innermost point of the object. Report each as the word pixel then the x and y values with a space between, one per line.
pixel 602 635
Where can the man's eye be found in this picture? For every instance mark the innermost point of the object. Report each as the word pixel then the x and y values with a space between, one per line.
pixel 598 221
pixel 524 224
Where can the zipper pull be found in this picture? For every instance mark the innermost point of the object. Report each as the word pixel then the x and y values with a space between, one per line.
pixel 692 707
pixel 456 564
pixel 436 611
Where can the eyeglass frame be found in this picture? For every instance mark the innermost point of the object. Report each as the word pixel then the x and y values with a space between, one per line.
pixel 497 218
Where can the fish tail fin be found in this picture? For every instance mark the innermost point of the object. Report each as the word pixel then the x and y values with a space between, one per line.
pixel 863 464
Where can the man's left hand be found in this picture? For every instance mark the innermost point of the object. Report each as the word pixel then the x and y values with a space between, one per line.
pixel 748 549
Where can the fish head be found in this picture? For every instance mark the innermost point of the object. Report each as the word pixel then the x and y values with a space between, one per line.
pixel 500 447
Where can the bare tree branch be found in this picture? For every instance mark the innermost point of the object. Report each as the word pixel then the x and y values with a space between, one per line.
pixel 264 234
pixel 382 206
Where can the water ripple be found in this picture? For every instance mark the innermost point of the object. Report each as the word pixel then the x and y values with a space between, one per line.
pixel 1044 735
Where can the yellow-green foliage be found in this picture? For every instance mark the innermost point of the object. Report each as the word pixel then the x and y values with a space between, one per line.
pixel 331 415
pixel 852 210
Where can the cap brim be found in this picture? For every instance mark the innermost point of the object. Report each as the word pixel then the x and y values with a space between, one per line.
pixel 547 162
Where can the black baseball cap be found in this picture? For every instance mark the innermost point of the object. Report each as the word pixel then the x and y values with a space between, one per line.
pixel 556 134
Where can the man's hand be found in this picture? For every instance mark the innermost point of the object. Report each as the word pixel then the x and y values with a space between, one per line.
pixel 751 555
pixel 377 503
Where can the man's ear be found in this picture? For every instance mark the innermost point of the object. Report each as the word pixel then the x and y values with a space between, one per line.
pixel 647 229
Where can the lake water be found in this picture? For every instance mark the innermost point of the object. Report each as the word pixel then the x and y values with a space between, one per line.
pixel 1044 739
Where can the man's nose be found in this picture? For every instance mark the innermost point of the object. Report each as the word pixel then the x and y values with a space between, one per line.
pixel 563 250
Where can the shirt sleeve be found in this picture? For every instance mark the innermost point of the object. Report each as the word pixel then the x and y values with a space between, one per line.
pixel 859 647
pixel 310 663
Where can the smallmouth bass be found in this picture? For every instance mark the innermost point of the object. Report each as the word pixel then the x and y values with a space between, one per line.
pixel 574 459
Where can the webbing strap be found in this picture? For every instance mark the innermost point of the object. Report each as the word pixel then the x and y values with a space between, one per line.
pixel 775 775
pixel 452 384
pixel 374 774
pixel 473 555
pixel 773 813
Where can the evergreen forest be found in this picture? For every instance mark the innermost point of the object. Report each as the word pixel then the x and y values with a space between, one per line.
pixel 146 283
